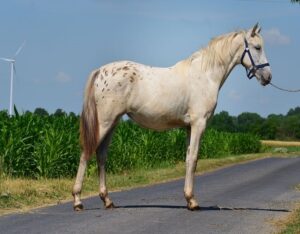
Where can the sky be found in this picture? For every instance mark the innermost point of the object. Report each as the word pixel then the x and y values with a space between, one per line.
pixel 67 39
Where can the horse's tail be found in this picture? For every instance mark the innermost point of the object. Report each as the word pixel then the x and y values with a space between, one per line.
pixel 89 125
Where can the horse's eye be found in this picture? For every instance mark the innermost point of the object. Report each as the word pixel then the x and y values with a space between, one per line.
pixel 258 47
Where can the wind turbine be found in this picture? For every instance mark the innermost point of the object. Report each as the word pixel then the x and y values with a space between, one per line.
pixel 12 62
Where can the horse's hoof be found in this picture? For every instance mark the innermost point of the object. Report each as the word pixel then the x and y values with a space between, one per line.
pixel 78 207
pixel 193 208
pixel 110 206
pixel 193 205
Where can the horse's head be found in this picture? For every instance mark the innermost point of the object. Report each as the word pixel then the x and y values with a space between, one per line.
pixel 254 58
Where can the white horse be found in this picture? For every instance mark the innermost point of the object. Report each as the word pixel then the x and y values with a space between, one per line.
pixel 184 95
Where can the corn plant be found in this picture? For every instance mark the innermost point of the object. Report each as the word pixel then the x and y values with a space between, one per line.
pixel 48 146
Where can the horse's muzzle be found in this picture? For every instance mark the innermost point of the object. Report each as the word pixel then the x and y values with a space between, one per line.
pixel 266 81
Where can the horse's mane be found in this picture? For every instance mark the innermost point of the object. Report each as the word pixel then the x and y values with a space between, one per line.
pixel 213 53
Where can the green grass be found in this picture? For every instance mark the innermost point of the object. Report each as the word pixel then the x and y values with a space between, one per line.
pixel 293 224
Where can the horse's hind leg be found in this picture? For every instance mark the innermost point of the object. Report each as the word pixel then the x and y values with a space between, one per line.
pixel 101 159
pixel 81 171
pixel 78 183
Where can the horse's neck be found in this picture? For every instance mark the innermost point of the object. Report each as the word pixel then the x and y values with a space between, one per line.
pixel 218 70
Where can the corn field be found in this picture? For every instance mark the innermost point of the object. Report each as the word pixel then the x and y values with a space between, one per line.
pixel 38 146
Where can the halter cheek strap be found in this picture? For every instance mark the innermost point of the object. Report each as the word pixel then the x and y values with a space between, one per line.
pixel 251 72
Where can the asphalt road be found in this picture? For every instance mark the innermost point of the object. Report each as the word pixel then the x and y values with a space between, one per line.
pixel 246 198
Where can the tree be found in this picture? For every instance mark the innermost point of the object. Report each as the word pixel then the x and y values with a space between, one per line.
pixel 271 127
pixel 249 122
pixel 223 122
pixel 59 112
pixel 40 111
pixel 295 111
pixel 291 126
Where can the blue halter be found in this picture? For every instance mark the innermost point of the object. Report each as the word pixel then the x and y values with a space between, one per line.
pixel 251 72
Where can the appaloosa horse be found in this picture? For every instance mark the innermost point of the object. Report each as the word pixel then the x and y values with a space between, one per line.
pixel 184 95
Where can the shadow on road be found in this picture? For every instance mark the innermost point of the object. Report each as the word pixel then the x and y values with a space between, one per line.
pixel 202 208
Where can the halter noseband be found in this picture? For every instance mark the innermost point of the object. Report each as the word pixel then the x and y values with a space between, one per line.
pixel 251 72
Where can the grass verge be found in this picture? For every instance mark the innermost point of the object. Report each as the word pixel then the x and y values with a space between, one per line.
pixel 19 195
pixel 292 225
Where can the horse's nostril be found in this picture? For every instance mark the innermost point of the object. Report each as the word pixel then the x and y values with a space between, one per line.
pixel 270 77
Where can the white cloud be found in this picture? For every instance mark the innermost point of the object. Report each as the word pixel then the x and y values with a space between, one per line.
pixel 275 37
pixel 234 95
pixel 63 77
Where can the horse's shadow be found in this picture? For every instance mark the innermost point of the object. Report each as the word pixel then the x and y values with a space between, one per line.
pixel 202 208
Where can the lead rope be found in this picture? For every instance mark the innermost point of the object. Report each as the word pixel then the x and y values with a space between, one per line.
pixel 286 90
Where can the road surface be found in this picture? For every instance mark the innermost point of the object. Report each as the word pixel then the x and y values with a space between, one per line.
pixel 245 198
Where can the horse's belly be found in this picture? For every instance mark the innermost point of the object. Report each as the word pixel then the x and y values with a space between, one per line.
pixel 160 122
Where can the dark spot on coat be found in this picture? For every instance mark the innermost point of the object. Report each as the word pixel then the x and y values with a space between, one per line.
pixel 105 82
pixel 102 97
pixel 101 77
pixel 114 73
pixel 108 90
pixel 131 79
pixel 119 69
pixel 102 89
pixel 119 83
pixel 126 68
pixel 125 74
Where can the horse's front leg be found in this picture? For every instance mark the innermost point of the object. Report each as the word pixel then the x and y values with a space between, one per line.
pixel 195 134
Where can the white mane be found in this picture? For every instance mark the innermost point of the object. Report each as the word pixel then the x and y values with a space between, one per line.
pixel 213 54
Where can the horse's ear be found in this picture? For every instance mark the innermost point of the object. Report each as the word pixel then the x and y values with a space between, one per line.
pixel 255 30
pixel 258 30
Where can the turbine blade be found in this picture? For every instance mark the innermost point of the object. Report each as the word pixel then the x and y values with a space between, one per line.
pixel 7 60
pixel 19 50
